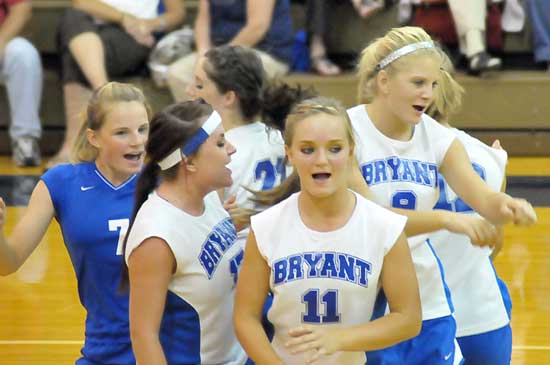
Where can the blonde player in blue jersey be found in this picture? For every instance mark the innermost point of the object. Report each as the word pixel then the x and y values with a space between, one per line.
pixel 92 201
pixel 324 252
pixel 481 300
pixel 401 152
pixel 180 249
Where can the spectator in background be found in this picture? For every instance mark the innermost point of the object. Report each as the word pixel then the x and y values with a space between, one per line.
pixel 21 72
pixel 100 39
pixel 264 25
pixel 539 13
pixel 469 17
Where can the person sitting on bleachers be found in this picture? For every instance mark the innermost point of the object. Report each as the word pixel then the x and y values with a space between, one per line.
pixel 264 25
pixel 539 13
pixel 101 39
pixel 21 72
pixel 469 18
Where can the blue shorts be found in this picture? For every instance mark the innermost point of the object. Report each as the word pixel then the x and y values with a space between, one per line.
pixel 434 345
pixel 489 348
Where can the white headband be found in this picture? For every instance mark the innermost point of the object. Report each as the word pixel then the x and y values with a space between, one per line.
pixel 193 144
pixel 405 50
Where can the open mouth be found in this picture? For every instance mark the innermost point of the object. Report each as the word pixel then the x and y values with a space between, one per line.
pixel 322 176
pixel 419 108
pixel 133 156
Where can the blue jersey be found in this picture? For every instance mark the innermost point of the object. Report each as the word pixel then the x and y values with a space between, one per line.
pixel 94 216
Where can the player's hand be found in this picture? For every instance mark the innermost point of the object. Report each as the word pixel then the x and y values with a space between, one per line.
pixel 496 145
pixel 239 215
pixel 523 212
pixel 480 231
pixel 515 210
pixel 2 212
pixel 317 341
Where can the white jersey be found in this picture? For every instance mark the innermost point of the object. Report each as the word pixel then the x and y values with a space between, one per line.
pixel 404 174
pixel 469 273
pixel 258 163
pixel 324 277
pixel 197 326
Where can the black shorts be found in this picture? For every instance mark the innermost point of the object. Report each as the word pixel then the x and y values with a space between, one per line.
pixel 123 55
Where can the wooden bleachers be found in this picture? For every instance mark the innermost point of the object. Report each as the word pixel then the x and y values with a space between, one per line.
pixel 509 105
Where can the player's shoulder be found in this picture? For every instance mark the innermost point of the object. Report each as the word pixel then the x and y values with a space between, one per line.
pixel 66 173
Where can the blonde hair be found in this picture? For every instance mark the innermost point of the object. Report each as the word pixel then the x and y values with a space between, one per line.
pixel 448 94
pixel 380 48
pixel 102 101
pixel 301 111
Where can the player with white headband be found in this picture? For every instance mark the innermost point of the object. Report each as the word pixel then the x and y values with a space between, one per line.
pixel 180 250
pixel 401 152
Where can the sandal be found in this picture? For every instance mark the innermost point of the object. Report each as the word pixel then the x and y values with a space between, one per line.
pixel 323 66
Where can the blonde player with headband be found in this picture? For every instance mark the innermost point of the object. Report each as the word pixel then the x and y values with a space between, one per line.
pixel 180 248
pixel 401 152
pixel 324 252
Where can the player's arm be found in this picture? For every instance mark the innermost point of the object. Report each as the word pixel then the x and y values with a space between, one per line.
pixel 499 240
pixel 28 231
pixel 150 268
pixel 497 207
pixel 252 290
pixel 478 230
pixel 403 322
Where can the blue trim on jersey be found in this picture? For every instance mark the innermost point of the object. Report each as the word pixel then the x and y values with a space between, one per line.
pixel 442 272
pixel 180 331
pixel 506 298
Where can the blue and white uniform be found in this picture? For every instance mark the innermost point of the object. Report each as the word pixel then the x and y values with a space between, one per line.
pixel 94 216
pixel 480 304
pixel 329 278
pixel 258 163
pixel 197 326
pixel 404 174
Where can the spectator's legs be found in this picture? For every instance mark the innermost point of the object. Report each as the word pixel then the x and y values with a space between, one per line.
pixel 76 96
pixel 539 13
pixel 469 17
pixel 22 72
pixel 180 75
pixel 87 50
pixel 317 13
pixel 90 54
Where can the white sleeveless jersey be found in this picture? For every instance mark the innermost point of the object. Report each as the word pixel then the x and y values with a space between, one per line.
pixel 197 326
pixel 324 277
pixel 404 175
pixel 469 273
pixel 258 163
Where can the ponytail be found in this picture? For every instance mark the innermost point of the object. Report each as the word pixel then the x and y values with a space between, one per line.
pixel 278 99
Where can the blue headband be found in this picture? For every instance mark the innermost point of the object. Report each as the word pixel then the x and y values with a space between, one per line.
pixel 193 144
